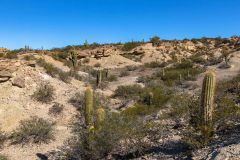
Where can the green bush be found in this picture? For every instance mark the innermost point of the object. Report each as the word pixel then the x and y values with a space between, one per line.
pixel 119 132
pixel 129 91
pixel 44 93
pixel 3 138
pixel 131 45
pixel 34 130
pixel 3 157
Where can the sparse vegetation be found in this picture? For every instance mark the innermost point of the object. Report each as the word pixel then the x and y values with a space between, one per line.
pixel 44 93
pixel 56 109
pixel 33 130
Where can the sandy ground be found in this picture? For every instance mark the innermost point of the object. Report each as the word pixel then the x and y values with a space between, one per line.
pixel 17 104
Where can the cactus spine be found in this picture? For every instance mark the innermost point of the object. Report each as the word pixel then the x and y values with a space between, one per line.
pixel 88 106
pixel 207 99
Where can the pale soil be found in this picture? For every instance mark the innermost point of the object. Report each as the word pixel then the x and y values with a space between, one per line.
pixel 113 61
pixel 17 104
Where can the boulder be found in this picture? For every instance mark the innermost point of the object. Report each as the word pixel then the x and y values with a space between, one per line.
pixel 19 82
pixel 5 74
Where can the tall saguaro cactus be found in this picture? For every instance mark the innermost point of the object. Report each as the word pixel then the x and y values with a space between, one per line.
pixel 207 99
pixel 73 59
pixel 88 106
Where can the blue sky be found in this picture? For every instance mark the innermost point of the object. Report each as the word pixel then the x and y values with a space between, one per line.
pixel 57 23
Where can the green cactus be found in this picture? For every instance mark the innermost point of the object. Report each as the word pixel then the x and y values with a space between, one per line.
pixel 73 59
pixel 150 98
pixel 207 98
pixel 180 78
pixel 100 116
pixel 88 106
pixel 163 72
pixel 99 78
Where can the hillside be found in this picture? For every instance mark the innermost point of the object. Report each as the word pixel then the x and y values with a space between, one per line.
pixel 150 94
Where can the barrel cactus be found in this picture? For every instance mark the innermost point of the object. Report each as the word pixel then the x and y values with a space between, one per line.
pixel 88 106
pixel 207 98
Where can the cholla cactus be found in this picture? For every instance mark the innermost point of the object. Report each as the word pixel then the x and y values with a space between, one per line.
pixel 180 78
pixel 150 98
pixel 73 59
pixel 88 106
pixel 207 99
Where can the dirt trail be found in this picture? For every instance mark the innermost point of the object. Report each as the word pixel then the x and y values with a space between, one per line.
pixel 225 74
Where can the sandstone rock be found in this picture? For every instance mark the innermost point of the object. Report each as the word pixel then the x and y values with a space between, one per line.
pixel 19 82
pixel 32 64
pixel 4 79
pixel 5 74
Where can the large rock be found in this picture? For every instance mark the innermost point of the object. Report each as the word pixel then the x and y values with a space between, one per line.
pixel 5 76
pixel 19 82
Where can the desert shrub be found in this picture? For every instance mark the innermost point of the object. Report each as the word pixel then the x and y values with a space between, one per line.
pixel 61 56
pixel 213 61
pixel 119 133
pixel 28 57
pixel 44 93
pixel 136 56
pixel 56 109
pixel 64 76
pixel 124 74
pixel 33 130
pixel 155 64
pixel 11 55
pixel 131 45
pixel 140 110
pixel 3 157
pixel 86 60
pixel 131 68
pixel 3 138
pixel 77 100
pixel 97 65
pixel 111 78
pixel 198 59
pixel 56 72
pixel 50 69
pixel 171 77
pixel 129 91
pixel 155 40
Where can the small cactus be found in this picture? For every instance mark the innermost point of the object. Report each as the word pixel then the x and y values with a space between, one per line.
pixel 180 78
pixel 163 72
pixel 88 106
pixel 150 98
pixel 207 98
pixel 100 116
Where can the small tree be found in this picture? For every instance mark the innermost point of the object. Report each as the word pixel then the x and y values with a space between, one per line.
pixel 155 41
